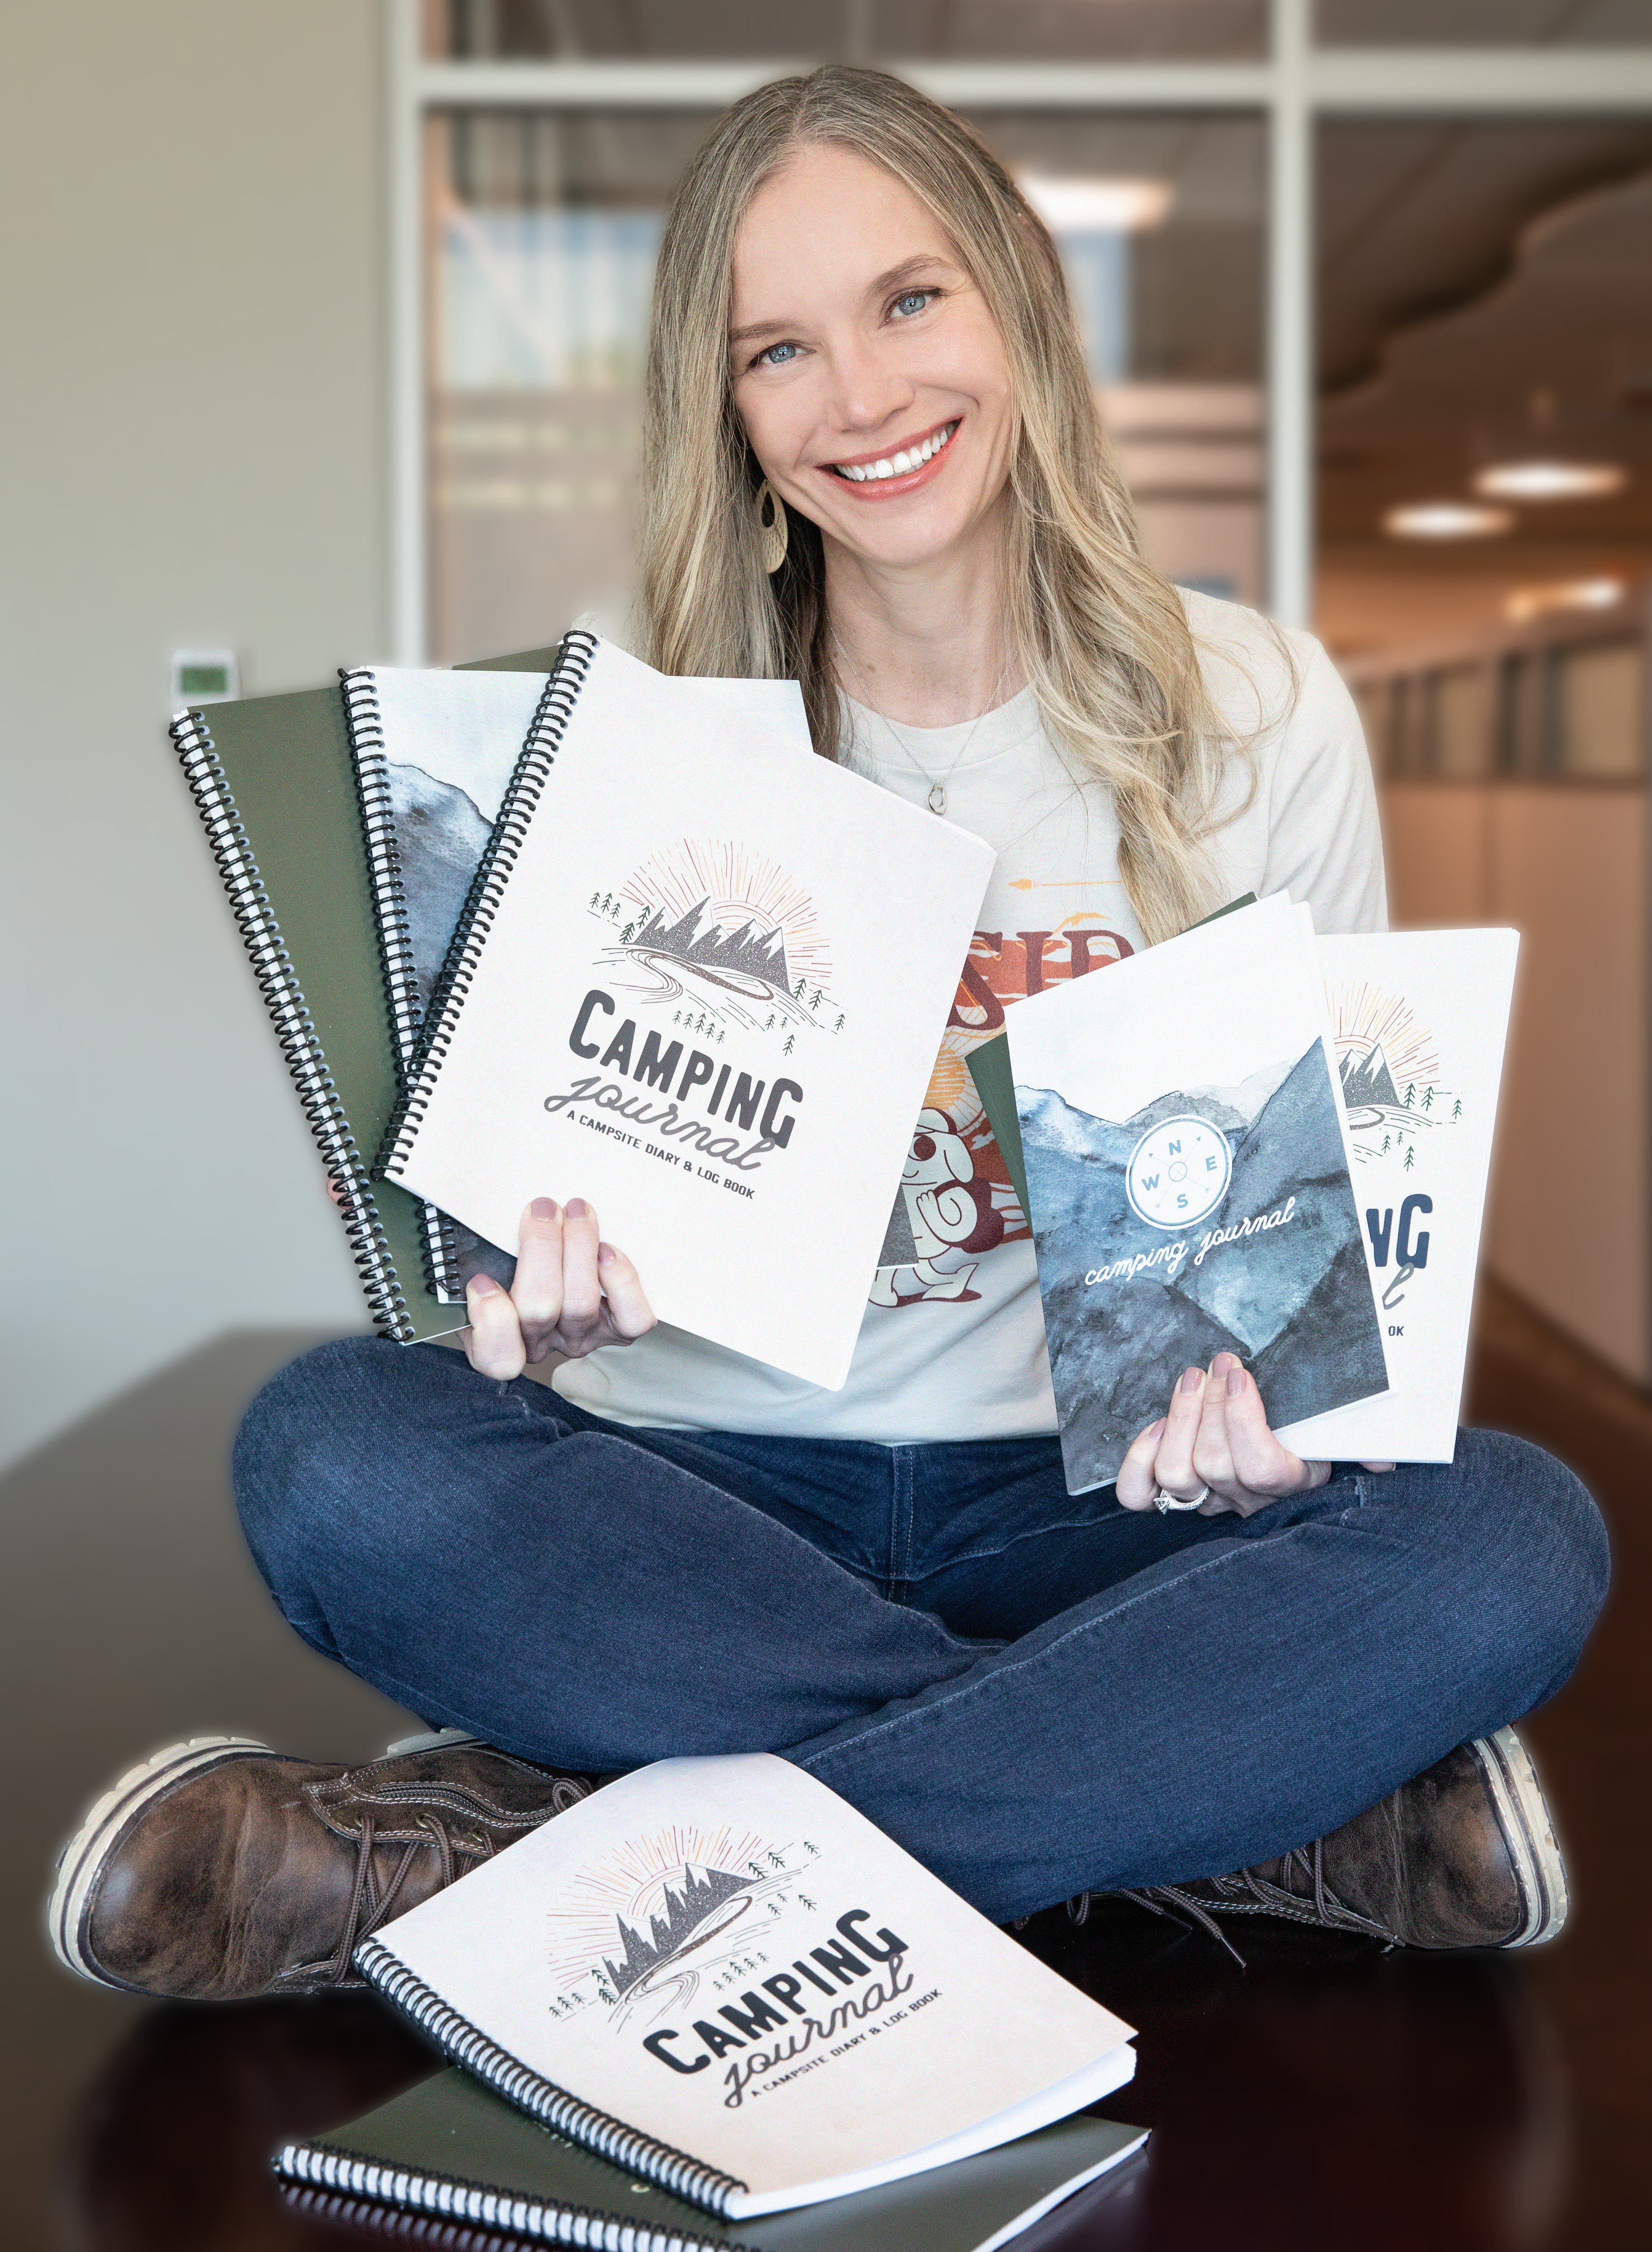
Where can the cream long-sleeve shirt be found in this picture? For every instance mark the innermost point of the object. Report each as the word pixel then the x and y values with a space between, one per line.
pixel 952 1345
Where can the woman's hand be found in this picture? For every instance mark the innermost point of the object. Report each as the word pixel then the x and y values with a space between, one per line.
pixel 571 1293
pixel 1217 1435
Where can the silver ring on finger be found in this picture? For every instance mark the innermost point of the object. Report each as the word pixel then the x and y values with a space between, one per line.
pixel 1164 1502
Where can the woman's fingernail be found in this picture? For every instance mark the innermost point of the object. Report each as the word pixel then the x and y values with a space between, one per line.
pixel 604 1253
pixel 482 1286
pixel 544 1208
pixel 578 1208
pixel 1156 1430
pixel 1223 1360
pixel 1192 1379
pixel 1235 1382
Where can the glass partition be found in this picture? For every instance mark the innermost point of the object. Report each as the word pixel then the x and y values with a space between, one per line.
pixel 1483 23
pixel 817 30
pixel 542 229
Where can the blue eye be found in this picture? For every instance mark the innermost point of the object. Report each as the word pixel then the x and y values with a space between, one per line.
pixel 777 356
pixel 913 301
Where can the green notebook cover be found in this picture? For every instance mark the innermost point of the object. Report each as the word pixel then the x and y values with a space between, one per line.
pixel 275 784
pixel 449 2146
pixel 996 1084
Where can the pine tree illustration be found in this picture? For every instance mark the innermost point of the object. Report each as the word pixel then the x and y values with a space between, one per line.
pixel 1457 1110
pixel 1410 1155
pixel 1428 1098
pixel 1387 1138
pixel 1410 1091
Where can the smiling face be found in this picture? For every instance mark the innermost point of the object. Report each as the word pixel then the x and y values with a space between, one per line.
pixel 867 369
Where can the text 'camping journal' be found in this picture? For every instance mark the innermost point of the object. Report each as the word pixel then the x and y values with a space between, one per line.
pixel 701 985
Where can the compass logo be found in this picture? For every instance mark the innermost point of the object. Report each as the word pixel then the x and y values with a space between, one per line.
pixel 1178 1172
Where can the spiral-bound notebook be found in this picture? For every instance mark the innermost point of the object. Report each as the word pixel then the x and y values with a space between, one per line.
pixel 274 782
pixel 699 982
pixel 434 753
pixel 451 2149
pixel 719 1977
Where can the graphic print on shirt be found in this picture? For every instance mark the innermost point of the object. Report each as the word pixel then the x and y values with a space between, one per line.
pixel 722 937
pixel 956 1203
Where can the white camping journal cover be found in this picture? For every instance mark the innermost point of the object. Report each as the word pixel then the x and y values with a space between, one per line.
pixel 706 1000
pixel 723 1957
pixel 436 751
pixel 1418 1021
pixel 1189 1179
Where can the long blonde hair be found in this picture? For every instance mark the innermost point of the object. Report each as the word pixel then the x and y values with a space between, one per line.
pixel 1102 635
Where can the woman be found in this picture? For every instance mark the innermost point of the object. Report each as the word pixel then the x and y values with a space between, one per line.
pixel 873 463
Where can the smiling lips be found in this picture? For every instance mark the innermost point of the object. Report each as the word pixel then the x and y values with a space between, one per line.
pixel 900 470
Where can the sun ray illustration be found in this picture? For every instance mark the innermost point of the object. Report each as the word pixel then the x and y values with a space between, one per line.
pixel 1365 1017
pixel 741 887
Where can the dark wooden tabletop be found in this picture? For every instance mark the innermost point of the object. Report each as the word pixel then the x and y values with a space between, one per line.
pixel 1325 2095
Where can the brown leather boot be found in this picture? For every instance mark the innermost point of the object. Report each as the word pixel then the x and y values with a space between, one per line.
pixel 1463 1855
pixel 218 1870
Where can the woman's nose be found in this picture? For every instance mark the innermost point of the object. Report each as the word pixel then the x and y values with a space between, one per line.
pixel 866 390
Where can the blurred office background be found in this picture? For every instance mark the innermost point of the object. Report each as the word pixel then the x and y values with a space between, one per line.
pixel 324 325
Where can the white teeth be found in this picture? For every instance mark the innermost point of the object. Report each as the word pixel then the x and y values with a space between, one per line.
pixel 897 465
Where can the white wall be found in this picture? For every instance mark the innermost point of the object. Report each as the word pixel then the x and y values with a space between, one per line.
pixel 1567 1216
pixel 190 285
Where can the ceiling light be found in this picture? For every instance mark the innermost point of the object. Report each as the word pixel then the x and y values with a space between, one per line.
pixel 1564 594
pixel 1549 480
pixel 1077 206
pixel 1446 519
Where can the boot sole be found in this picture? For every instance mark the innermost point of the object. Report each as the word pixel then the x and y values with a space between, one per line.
pixel 1528 1828
pixel 84 1858
pixel 429 1739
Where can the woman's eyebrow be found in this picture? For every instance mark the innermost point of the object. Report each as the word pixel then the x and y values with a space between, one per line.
pixel 874 289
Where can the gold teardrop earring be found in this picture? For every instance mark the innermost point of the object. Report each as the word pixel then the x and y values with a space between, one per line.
pixel 773 528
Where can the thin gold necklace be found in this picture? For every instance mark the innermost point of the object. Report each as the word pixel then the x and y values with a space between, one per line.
pixel 937 800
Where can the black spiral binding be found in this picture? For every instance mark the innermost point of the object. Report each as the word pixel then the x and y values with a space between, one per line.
pixel 528 779
pixel 464 2216
pixel 542 2099
pixel 300 1046
pixel 397 964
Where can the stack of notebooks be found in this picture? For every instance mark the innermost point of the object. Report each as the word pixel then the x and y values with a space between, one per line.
pixel 559 925
pixel 587 930
pixel 713 2006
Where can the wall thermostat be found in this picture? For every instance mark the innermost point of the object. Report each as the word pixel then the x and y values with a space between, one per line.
pixel 204 676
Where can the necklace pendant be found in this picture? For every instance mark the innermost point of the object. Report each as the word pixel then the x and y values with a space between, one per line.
pixel 938 798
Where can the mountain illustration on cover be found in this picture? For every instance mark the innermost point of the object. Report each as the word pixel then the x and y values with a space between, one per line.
pixel 440 837
pixel 751 959
pixel 693 1914
pixel 1367 1080
pixel 1129 1302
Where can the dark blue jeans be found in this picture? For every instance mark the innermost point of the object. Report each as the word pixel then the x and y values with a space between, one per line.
pixel 1035 1694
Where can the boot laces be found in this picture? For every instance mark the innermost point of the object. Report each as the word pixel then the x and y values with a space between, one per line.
pixel 1245 1893
pixel 371 1903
